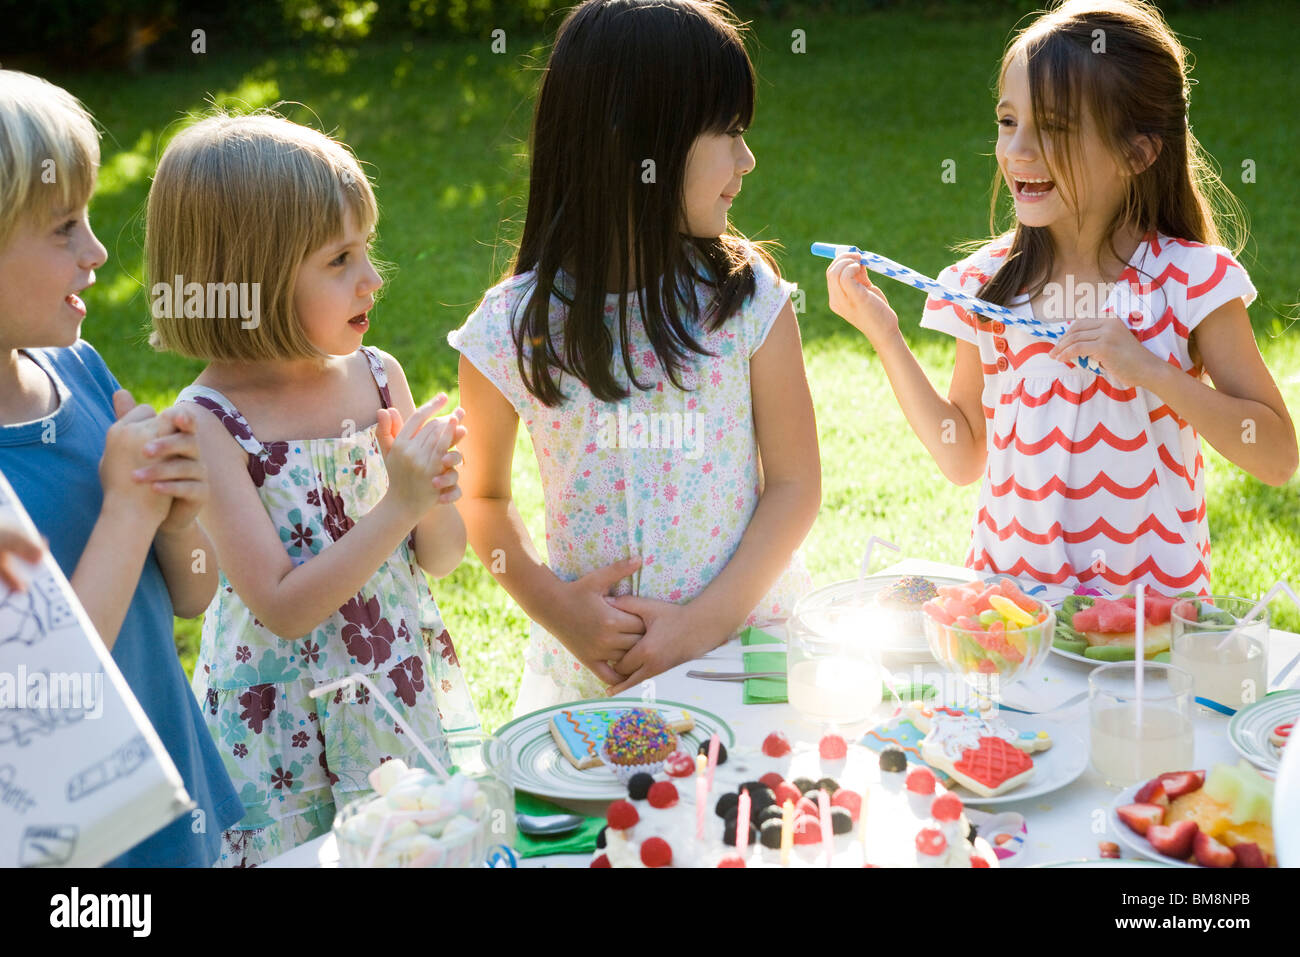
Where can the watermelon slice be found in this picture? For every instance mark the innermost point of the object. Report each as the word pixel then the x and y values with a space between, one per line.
pixel 1158 609
pixel 1085 619
pixel 1114 616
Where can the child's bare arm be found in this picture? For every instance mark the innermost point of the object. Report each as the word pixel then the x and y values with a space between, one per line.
pixel 951 429
pixel 574 612
pixel 16 542
pixel 786 430
pixel 292 600
pixel 1243 415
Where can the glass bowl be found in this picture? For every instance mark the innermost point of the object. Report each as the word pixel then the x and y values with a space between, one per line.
pixel 991 658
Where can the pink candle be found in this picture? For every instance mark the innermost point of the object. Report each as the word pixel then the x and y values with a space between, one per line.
pixel 828 833
pixel 701 803
pixel 714 743
pixel 742 823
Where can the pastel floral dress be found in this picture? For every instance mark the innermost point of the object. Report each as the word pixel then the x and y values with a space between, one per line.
pixel 1091 480
pixel 670 475
pixel 296 760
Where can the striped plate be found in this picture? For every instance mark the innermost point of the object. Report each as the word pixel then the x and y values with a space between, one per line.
pixel 538 767
pixel 1250 728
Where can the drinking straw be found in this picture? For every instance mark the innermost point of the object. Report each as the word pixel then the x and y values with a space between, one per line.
pixel 828 833
pixel 714 743
pixel 1278 588
pixel 787 831
pixel 360 678
pixel 742 822
pixel 872 542
pixel 1141 662
pixel 936 290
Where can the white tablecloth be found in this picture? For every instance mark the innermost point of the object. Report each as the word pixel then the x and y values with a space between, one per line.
pixel 1064 824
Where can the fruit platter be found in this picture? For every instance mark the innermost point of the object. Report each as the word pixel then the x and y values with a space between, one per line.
pixel 1096 629
pixel 1220 820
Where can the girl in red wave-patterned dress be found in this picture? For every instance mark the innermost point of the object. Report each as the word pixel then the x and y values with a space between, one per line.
pixel 1093 479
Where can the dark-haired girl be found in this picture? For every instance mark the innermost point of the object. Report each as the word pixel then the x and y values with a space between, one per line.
pixel 1090 478
pixel 652 354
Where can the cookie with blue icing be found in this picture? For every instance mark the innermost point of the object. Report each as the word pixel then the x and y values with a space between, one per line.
pixel 579 733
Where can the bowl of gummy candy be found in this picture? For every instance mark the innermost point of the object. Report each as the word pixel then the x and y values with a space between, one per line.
pixel 987 629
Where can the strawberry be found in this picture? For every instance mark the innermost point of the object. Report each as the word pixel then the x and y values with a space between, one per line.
pixel 1153 792
pixel 1178 783
pixel 1173 840
pixel 1249 855
pixel 1140 817
pixel 1210 853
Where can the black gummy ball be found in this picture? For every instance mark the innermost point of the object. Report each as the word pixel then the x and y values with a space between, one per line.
pixel 600 836
pixel 893 759
pixel 729 834
pixel 841 820
pixel 638 786
pixel 726 804
pixel 722 751
pixel 769 813
pixel 804 785
pixel 770 834
pixel 829 785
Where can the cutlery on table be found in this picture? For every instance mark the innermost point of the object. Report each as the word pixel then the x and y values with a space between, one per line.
pixel 548 825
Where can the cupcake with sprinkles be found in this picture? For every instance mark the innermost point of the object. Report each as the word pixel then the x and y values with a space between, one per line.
pixel 638 742
pixel 900 605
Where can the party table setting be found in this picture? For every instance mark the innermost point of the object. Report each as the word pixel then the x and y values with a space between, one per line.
pixel 923 715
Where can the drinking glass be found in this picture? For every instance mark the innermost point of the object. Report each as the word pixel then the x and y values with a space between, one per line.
pixel 1126 750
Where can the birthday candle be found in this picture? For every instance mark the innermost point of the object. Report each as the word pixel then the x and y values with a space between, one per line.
pixel 828 833
pixel 714 743
pixel 787 832
pixel 701 801
pixel 742 823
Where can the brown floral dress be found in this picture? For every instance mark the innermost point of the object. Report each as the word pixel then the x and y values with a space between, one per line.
pixel 296 760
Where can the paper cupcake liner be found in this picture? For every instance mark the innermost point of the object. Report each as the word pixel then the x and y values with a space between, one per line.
pixel 626 771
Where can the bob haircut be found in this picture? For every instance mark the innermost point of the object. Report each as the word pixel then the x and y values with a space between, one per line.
pixel 49 151
pixel 629 86
pixel 244 199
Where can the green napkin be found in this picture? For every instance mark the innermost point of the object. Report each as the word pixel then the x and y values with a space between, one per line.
pixel 579 841
pixel 756 636
pixel 764 690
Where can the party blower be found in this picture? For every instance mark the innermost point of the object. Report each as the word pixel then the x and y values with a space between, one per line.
pixel 931 287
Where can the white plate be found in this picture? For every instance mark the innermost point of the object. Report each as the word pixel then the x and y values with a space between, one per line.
pixel 538 767
pixel 1054 768
pixel 1105 862
pixel 1250 728
pixel 1131 839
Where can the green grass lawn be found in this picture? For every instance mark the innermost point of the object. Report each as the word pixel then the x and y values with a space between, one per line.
pixel 851 139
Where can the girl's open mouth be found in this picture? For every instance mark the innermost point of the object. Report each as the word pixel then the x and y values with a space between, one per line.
pixel 73 300
pixel 1030 190
pixel 361 323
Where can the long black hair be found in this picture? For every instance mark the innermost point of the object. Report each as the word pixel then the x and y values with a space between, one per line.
pixel 629 86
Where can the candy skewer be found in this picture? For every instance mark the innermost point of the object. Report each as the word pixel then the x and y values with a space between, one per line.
pixel 828 832
pixel 714 744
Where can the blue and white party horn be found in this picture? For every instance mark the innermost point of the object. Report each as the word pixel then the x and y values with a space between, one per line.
pixel 936 290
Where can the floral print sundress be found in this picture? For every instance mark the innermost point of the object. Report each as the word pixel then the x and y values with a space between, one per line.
pixel 294 759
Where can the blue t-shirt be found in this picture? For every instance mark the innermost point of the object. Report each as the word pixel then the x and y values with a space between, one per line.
pixel 58 483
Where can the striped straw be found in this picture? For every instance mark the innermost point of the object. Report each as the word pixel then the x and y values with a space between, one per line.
pixel 935 290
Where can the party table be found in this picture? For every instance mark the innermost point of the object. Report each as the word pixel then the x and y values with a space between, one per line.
pixel 1064 824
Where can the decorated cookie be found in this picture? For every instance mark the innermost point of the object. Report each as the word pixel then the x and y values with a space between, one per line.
pixel 901 733
pixel 986 756
pixel 966 724
pixel 580 734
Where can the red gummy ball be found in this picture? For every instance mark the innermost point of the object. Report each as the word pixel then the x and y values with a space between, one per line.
pixel 655 852
pixel 920 781
pixel 776 745
pixel 662 794
pixel 851 801
pixel 946 807
pixel 833 748
pixel 621 815
pixel 680 764
pixel 931 842
pixel 732 860
pixel 602 861
pixel 977 861
pixel 785 791
pixel 807 830
pixel 772 780
pixel 808 805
